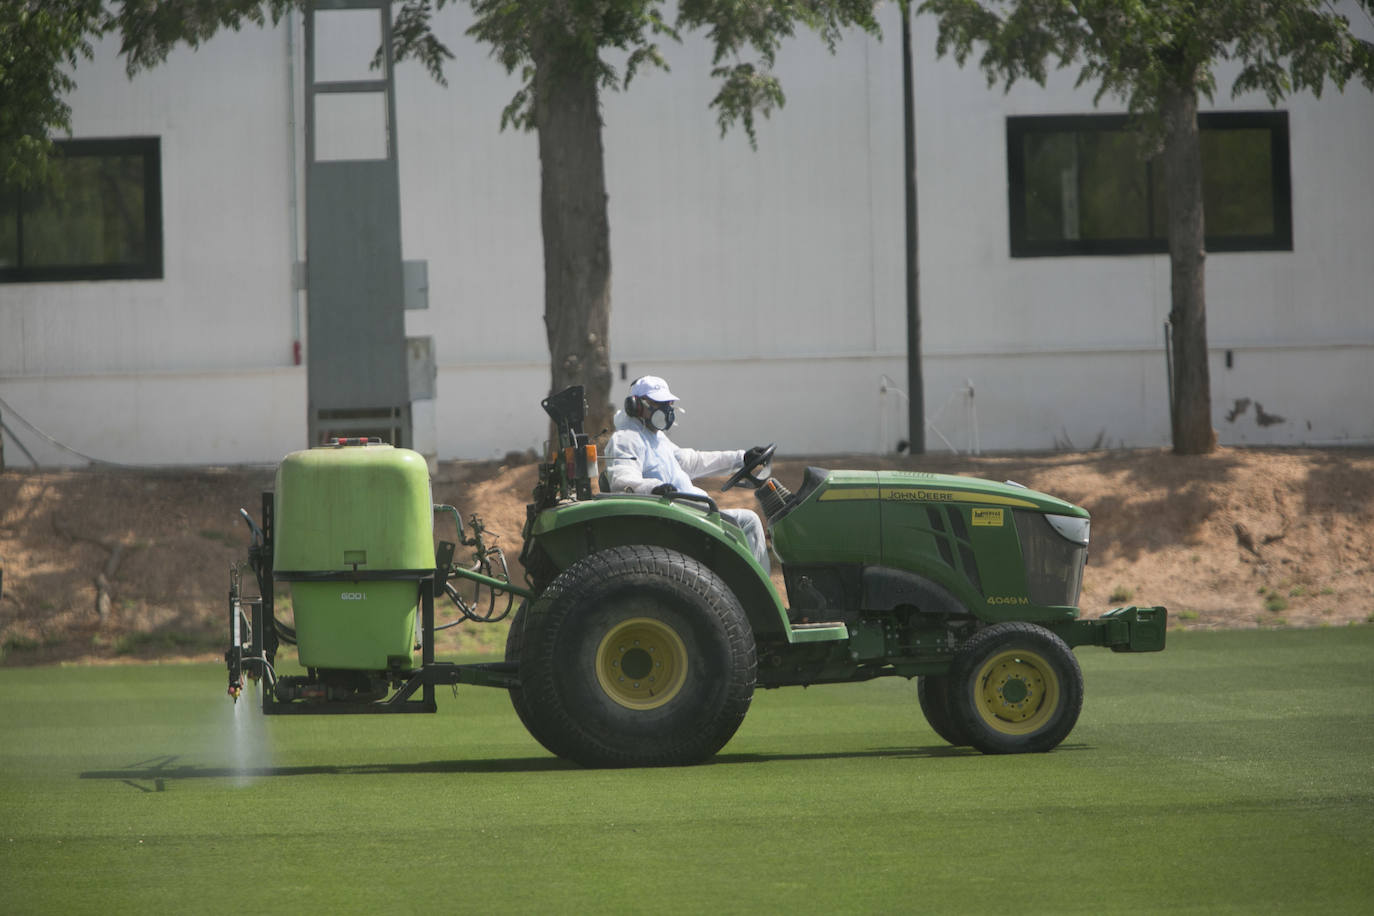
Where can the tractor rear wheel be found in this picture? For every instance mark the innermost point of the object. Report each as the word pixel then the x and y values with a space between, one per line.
pixel 515 641
pixel 635 656
pixel 1015 688
pixel 932 692
pixel 514 647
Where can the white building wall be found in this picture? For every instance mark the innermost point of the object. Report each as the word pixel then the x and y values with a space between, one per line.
pixel 767 284
pixel 1089 330
pixel 733 269
pixel 196 367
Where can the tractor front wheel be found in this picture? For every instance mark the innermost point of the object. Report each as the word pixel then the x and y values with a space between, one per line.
pixel 1015 688
pixel 635 656
pixel 932 692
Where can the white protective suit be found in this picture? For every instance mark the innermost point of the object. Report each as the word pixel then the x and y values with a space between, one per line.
pixel 639 458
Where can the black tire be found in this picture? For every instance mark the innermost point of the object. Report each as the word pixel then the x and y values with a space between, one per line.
pixel 1015 688
pixel 635 656
pixel 515 639
pixel 932 692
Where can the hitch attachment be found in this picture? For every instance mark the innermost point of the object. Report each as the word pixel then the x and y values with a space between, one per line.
pixel 488 568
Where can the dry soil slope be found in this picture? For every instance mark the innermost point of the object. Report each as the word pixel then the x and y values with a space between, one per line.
pixel 1240 538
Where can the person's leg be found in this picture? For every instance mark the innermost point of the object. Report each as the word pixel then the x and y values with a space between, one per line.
pixel 748 520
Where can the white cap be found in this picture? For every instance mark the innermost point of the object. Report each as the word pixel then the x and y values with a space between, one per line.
pixel 653 388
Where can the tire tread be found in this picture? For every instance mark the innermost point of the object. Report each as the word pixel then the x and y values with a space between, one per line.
pixel 561 729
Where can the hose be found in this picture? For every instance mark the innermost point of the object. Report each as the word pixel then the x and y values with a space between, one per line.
pixel 470 613
pixel 284 633
pixel 267 666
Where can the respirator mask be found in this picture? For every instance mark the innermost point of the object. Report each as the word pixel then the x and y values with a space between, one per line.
pixel 657 415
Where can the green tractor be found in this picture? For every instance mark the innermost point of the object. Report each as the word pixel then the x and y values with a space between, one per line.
pixel 646 623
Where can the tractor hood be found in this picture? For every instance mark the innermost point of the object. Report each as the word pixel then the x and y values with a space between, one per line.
pixel 992 545
pixel 839 515
pixel 916 486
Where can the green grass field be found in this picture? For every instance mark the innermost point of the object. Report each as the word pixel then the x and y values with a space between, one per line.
pixel 1232 773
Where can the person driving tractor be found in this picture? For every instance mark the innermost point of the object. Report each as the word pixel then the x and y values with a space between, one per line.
pixel 642 459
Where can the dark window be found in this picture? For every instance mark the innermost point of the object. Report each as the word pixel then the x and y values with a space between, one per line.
pixel 1080 185
pixel 100 219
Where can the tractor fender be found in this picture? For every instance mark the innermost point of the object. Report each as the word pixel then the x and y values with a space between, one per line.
pixel 565 534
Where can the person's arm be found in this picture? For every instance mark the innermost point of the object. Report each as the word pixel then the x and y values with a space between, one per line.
pixel 709 464
pixel 625 464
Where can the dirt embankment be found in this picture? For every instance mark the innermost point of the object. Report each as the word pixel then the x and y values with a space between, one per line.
pixel 121 564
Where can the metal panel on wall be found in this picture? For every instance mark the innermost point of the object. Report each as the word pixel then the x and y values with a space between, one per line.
pixel 357 326
pixel 357 372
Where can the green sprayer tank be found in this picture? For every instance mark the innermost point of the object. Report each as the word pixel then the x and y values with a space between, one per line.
pixel 355 537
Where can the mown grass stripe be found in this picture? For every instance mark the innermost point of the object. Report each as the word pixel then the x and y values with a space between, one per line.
pixel 1230 773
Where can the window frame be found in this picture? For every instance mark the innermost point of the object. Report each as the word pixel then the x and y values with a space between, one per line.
pixel 149 149
pixel 1280 179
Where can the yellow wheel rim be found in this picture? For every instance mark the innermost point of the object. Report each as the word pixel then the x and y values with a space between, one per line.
pixel 641 663
pixel 1017 692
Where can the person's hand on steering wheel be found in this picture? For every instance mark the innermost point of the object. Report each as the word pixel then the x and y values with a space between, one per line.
pixel 754 458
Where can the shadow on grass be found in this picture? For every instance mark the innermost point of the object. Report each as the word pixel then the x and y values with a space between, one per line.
pixel 877 753
pixel 152 775
pixel 158 771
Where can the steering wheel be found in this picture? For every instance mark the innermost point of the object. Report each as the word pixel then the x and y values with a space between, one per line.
pixel 747 472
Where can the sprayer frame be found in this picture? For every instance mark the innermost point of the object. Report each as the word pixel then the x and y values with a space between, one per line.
pixel 263 641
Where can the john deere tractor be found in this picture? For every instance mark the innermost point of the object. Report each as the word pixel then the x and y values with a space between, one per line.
pixel 646 623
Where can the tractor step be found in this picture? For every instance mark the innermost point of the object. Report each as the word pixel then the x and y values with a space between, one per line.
pixel 813 631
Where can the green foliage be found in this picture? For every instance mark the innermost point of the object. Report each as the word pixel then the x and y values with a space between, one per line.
pixel 570 37
pixel 19 644
pixel 39 44
pixel 1120 593
pixel 412 37
pixel 1137 51
pixel 566 37
pixel 1275 603
pixel 42 41
pixel 150 29
pixel 739 28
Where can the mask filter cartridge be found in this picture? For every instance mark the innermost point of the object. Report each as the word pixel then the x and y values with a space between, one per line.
pixel 661 418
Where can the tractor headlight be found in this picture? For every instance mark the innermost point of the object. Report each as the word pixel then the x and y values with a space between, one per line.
pixel 1073 529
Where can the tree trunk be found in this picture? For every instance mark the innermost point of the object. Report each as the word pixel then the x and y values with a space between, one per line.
pixel 577 247
pixel 1192 387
